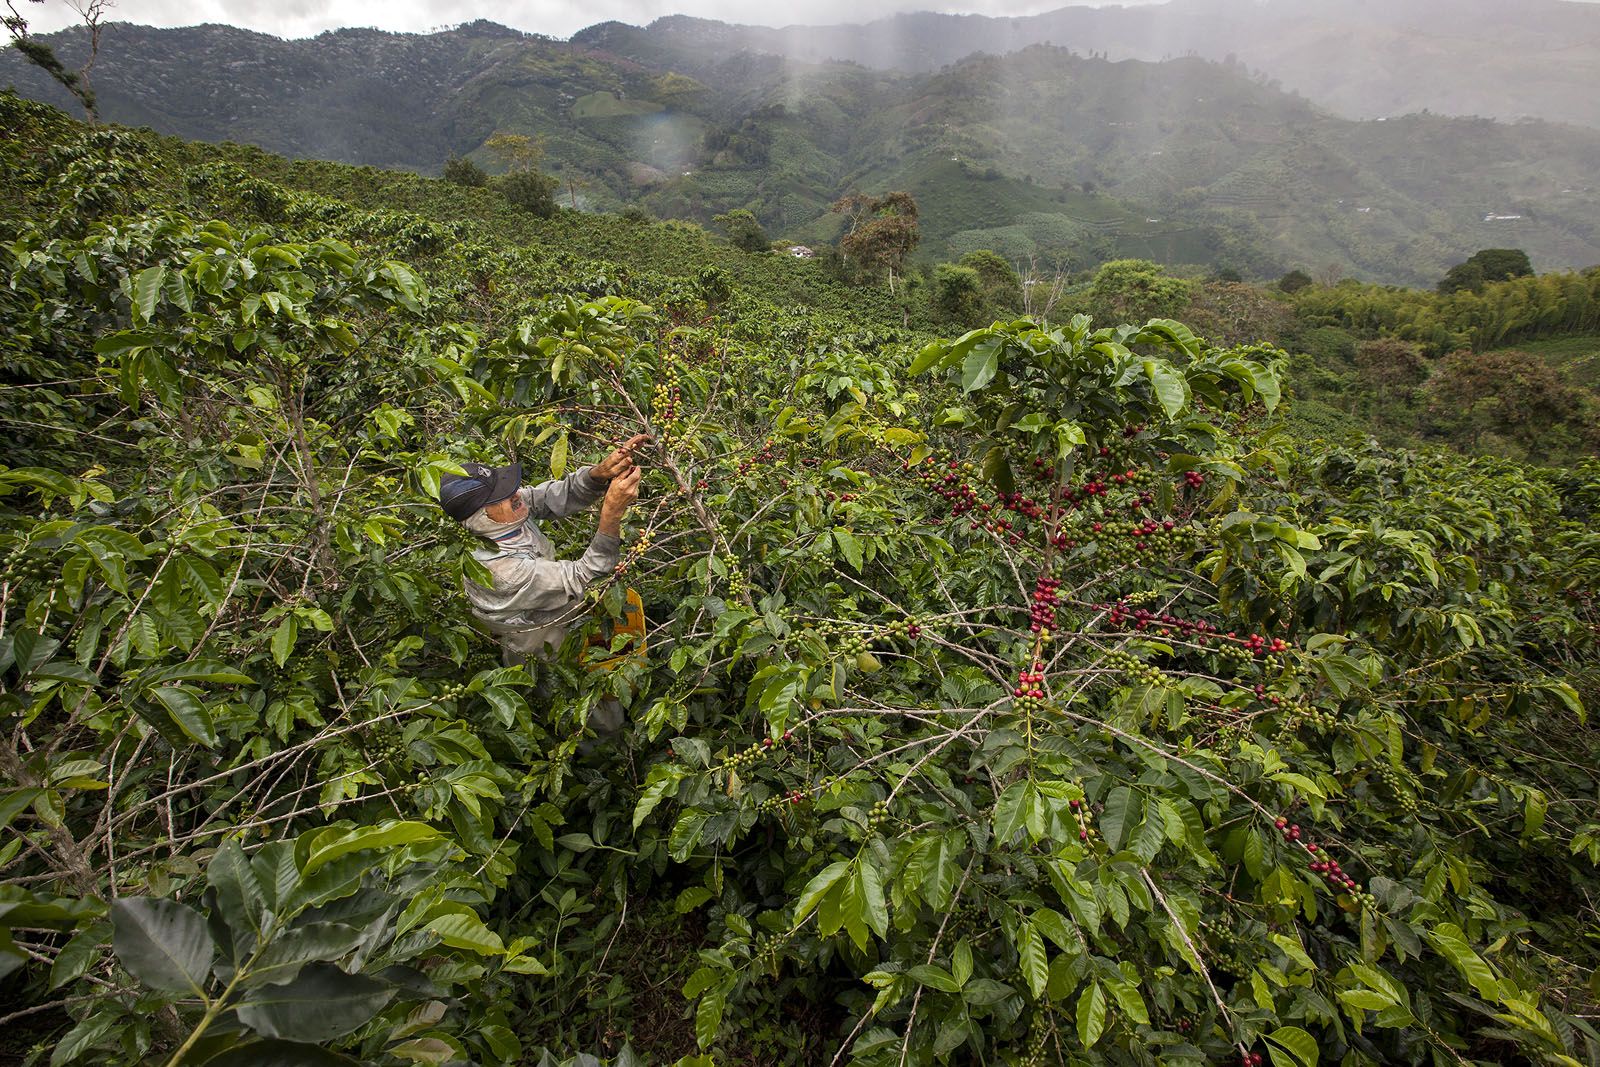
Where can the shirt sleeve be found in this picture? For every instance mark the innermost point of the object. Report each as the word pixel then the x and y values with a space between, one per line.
pixel 565 496
pixel 540 585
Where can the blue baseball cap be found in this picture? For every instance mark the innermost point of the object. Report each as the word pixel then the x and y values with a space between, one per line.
pixel 462 496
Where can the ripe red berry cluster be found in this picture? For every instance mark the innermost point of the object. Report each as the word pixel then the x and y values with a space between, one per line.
pixel 1163 623
pixel 1329 869
pixel 763 457
pixel 1042 616
pixel 950 485
pixel 1091 488
pixel 1194 479
pixel 1028 695
pixel 1098 485
pixel 1252 1059
pixel 779 801
pixel 1022 505
pixel 1257 645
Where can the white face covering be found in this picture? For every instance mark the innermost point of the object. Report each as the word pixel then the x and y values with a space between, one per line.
pixel 506 535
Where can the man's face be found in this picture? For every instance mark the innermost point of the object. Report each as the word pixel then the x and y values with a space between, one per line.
pixel 511 509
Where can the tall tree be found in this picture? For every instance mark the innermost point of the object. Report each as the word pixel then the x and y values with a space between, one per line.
pixel 41 55
pixel 882 231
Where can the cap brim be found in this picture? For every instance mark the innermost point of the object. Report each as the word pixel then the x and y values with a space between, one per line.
pixel 506 481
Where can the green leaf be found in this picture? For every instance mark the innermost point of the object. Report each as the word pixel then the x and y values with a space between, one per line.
pixel 818 887
pixel 934 977
pixel 869 885
pixel 980 365
pixel 1293 950
pixel 464 931
pixel 1011 811
pixel 558 456
pixel 1534 806
pixel 849 545
pixel 164 944
pixel 708 1017
pixel 1568 696
pixel 283 639
pixel 985 991
pixel 661 782
pixel 1453 945
pixel 238 895
pixel 147 291
pixel 961 962
pixel 1121 811
pixel 327 845
pixel 276 1053
pixel 188 711
pixel 691 898
pixel 322 1003
pixel 1172 392
pixel 1091 1014
pixel 1031 958
pixel 1131 1003
pixel 286 953
pixel 424 1050
pixel 78 955
pixel 930 354
pixel 83 1037
pixel 1299 1044
pixel 1366 999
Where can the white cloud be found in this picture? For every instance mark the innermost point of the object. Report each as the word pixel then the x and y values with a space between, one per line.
pixel 560 18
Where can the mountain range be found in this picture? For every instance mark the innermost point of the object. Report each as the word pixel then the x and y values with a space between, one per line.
pixel 1059 152
pixel 1358 58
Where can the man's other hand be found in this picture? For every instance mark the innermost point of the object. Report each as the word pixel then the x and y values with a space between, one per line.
pixel 621 461
pixel 623 491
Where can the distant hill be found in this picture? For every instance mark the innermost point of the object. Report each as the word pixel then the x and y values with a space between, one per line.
pixel 1360 58
pixel 1043 152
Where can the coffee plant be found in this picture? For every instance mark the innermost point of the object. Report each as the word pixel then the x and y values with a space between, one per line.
pixel 1023 697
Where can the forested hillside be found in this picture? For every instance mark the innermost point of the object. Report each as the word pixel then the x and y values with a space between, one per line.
pixel 1022 696
pixel 1044 152
pixel 1359 58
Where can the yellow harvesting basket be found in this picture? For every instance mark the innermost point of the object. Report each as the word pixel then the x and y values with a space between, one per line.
pixel 631 624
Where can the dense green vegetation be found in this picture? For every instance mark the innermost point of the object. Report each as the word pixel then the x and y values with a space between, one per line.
pixel 1075 160
pixel 1023 696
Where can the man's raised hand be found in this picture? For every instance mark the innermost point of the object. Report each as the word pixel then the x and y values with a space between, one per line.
pixel 621 460
pixel 623 491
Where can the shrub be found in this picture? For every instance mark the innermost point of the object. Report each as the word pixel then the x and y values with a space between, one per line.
pixel 528 191
pixel 461 171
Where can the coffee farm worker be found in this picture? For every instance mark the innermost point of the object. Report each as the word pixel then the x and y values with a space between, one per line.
pixel 536 597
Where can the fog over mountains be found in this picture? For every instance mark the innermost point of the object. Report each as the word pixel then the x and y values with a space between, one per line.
pixel 1219 132
pixel 1360 58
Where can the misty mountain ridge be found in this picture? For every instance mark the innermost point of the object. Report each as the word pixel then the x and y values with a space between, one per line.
pixel 1047 151
pixel 1360 58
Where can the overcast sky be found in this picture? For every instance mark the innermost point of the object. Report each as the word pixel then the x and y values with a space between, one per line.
pixel 560 18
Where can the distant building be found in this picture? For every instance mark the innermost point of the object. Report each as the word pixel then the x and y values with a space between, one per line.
pixel 801 252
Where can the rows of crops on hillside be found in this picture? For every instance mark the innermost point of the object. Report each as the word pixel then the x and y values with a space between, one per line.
pixel 1023 696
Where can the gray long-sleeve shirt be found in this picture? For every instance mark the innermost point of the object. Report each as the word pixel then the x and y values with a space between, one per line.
pixel 532 588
